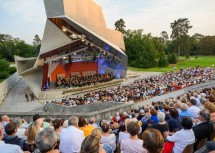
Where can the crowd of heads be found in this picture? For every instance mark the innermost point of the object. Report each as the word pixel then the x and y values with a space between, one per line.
pixel 146 129
pixel 145 88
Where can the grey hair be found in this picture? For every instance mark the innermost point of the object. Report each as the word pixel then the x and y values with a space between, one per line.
pixel 73 121
pixel 46 140
pixel 161 116
pixel 205 114
pixel 183 106
pixel 202 100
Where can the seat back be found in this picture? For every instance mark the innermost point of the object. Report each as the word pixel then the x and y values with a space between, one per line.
pixel 189 149
pixel 212 135
pixel 201 143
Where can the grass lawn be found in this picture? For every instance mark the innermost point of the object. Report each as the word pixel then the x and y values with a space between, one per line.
pixel 203 61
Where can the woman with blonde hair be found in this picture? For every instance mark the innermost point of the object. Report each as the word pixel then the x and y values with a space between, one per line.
pixel 91 145
pixel 97 132
pixel 32 131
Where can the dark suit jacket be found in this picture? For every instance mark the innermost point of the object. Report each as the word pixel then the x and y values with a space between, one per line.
pixel 203 130
pixel 146 123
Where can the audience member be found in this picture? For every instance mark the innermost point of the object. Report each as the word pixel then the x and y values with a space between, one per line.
pixel 10 137
pixel 153 141
pixel 82 124
pixel 162 125
pixel 109 139
pixel 205 128
pixel 46 141
pixel 32 131
pixel 174 123
pixel 91 145
pixel 71 135
pixel 132 144
pixel 183 137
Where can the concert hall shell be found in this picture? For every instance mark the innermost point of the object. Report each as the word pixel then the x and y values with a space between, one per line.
pixel 75 34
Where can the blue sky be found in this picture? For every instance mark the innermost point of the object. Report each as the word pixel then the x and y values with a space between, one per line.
pixel 25 18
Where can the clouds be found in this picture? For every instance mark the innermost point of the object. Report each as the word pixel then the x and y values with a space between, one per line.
pixel 27 10
pixel 156 15
pixel 151 15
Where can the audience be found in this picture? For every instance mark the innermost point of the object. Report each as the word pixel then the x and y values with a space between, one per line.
pixel 146 88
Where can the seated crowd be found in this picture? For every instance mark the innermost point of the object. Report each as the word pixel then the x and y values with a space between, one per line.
pixel 145 88
pixel 80 81
pixel 186 122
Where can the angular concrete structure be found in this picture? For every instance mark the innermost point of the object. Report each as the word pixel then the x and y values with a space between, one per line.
pixel 75 32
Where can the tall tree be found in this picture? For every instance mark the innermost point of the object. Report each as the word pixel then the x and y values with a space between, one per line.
pixel 164 36
pixel 36 44
pixel 120 25
pixel 180 29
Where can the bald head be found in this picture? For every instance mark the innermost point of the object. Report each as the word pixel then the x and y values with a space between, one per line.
pixel 5 118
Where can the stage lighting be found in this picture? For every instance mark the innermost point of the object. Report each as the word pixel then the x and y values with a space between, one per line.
pixel 74 53
pixel 64 29
pixel 73 36
pixel 82 40
pixel 91 44
pixel 64 57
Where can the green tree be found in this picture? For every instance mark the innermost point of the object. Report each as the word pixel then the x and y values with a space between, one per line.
pixel 140 49
pixel 36 44
pixel 163 62
pixel 164 37
pixel 4 67
pixel 120 25
pixel 172 59
pixel 180 29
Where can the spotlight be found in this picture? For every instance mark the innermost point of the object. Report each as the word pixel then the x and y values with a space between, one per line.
pixel 82 40
pixel 64 29
pixel 91 44
pixel 74 53
pixel 64 57
pixel 73 36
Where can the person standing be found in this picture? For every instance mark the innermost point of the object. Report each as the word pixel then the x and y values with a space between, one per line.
pixel 26 96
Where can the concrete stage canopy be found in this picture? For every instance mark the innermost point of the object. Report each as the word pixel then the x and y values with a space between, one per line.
pixel 75 31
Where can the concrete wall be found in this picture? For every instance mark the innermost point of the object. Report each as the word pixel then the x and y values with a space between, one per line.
pixel 7 85
pixel 98 115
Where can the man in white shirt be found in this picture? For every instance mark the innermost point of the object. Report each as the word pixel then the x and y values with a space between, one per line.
pixel 193 109
pixel 71 137
pixel 8 148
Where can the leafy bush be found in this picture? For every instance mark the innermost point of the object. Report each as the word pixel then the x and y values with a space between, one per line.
pixel 172 58
pixel 163 62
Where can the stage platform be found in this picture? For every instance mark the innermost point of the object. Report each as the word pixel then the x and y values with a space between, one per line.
pixel 54 93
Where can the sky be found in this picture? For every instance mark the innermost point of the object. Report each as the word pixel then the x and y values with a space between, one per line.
pixel 26 18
